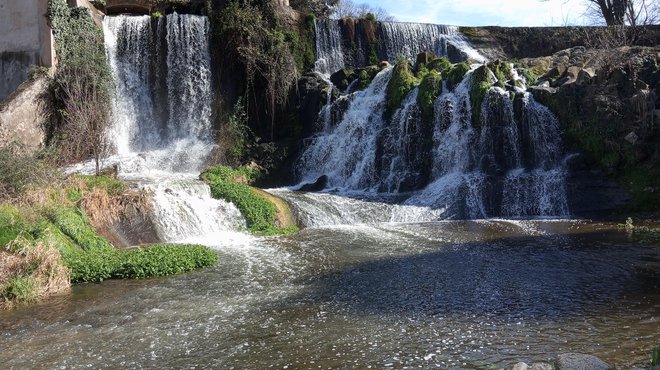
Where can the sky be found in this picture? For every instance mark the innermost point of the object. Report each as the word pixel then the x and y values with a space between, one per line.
pixel 485 12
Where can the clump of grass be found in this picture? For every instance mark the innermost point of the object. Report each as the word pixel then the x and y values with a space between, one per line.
pixel 655 356
pixel 34 272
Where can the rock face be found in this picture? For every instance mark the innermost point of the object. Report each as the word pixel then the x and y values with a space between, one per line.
pixel 606 102
pixel 20 121
pixel 576 361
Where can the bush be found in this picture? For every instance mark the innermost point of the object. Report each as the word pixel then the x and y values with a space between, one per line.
pixel 20 172
pixel 162 260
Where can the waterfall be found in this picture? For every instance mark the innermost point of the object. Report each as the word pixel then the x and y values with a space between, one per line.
pixel 329 54
pixel 346 153
pixel 394 39
pixel 163 95
pixel 161 121
pixel 508 165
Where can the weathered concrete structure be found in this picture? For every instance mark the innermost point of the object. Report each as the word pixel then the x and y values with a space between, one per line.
pixel 129 6
pixel 20 118
pixel 26 41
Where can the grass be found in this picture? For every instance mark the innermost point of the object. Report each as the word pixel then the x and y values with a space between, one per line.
pixel 47 242
pixel 232 185
pixel 655 357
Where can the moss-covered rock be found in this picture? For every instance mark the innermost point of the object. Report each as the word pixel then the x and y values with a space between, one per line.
pixel 442 65
pixel 262 215
pixel 455 74
pixel 403 80
pixel 479 85
pixel 429 89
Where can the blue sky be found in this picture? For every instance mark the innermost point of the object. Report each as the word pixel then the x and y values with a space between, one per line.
pixel 485 12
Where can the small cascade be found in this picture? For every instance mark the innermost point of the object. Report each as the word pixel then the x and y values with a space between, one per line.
pixel 161 121
pixel 184 210
pixel 402 144
pixel 329 54
pixel 346 153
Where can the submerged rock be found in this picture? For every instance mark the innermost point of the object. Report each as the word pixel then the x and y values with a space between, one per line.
pixel 317 185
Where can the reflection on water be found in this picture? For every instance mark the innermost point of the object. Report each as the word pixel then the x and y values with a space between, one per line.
pixel 441 294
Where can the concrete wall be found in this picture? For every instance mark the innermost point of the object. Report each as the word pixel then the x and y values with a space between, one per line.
pixel 20 121
pixel 25 41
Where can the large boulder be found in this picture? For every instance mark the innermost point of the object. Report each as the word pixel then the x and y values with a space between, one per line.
pixel 578 361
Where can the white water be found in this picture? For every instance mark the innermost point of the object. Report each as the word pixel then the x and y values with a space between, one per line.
pixel 329 53
pixel 410 39
pixel 502 167
pixel 161 123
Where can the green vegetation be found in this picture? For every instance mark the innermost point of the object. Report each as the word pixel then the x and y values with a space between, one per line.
pixel 530 77
pixel 79 92
pixel 655 357
pixel 478 91
pixel 235 135
pixel 19 289
pixel 403 80
pixel 261 214
pixel 456 74
pixel 163 260
pixel 429 89
pixel 469 31
pixel 442 65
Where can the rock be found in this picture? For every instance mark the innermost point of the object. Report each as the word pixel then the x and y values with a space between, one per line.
pixel 554 73
pixel 454 54
pixel 578 361
pixel 540 366
pixel 519 366
pixel 585 76
pixel 342 78
pixel 632 138
pixel 318 185
pixel 424 58
pixel 656 115
pixel 384 64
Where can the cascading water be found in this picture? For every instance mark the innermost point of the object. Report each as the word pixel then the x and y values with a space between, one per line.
pixel 329 54
pixel 509 165
pixel 161 126
pixel 394 39
pixel 410 39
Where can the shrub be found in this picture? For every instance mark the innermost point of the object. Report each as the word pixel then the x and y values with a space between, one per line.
pixel 162 260
pixel 20 172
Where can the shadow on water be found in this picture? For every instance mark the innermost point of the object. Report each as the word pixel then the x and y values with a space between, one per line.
pixel 539 277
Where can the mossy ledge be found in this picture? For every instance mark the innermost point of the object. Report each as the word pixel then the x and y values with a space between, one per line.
pixel 265 214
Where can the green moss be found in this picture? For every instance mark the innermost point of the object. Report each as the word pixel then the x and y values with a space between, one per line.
pixel 478 92
pixel 373 55
pixel 366 76
pixel 402 81
pixel 429 89
pixel 442 65
pixel 530 77
pixel 456 73
pixel 655 357
pixel 227 183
